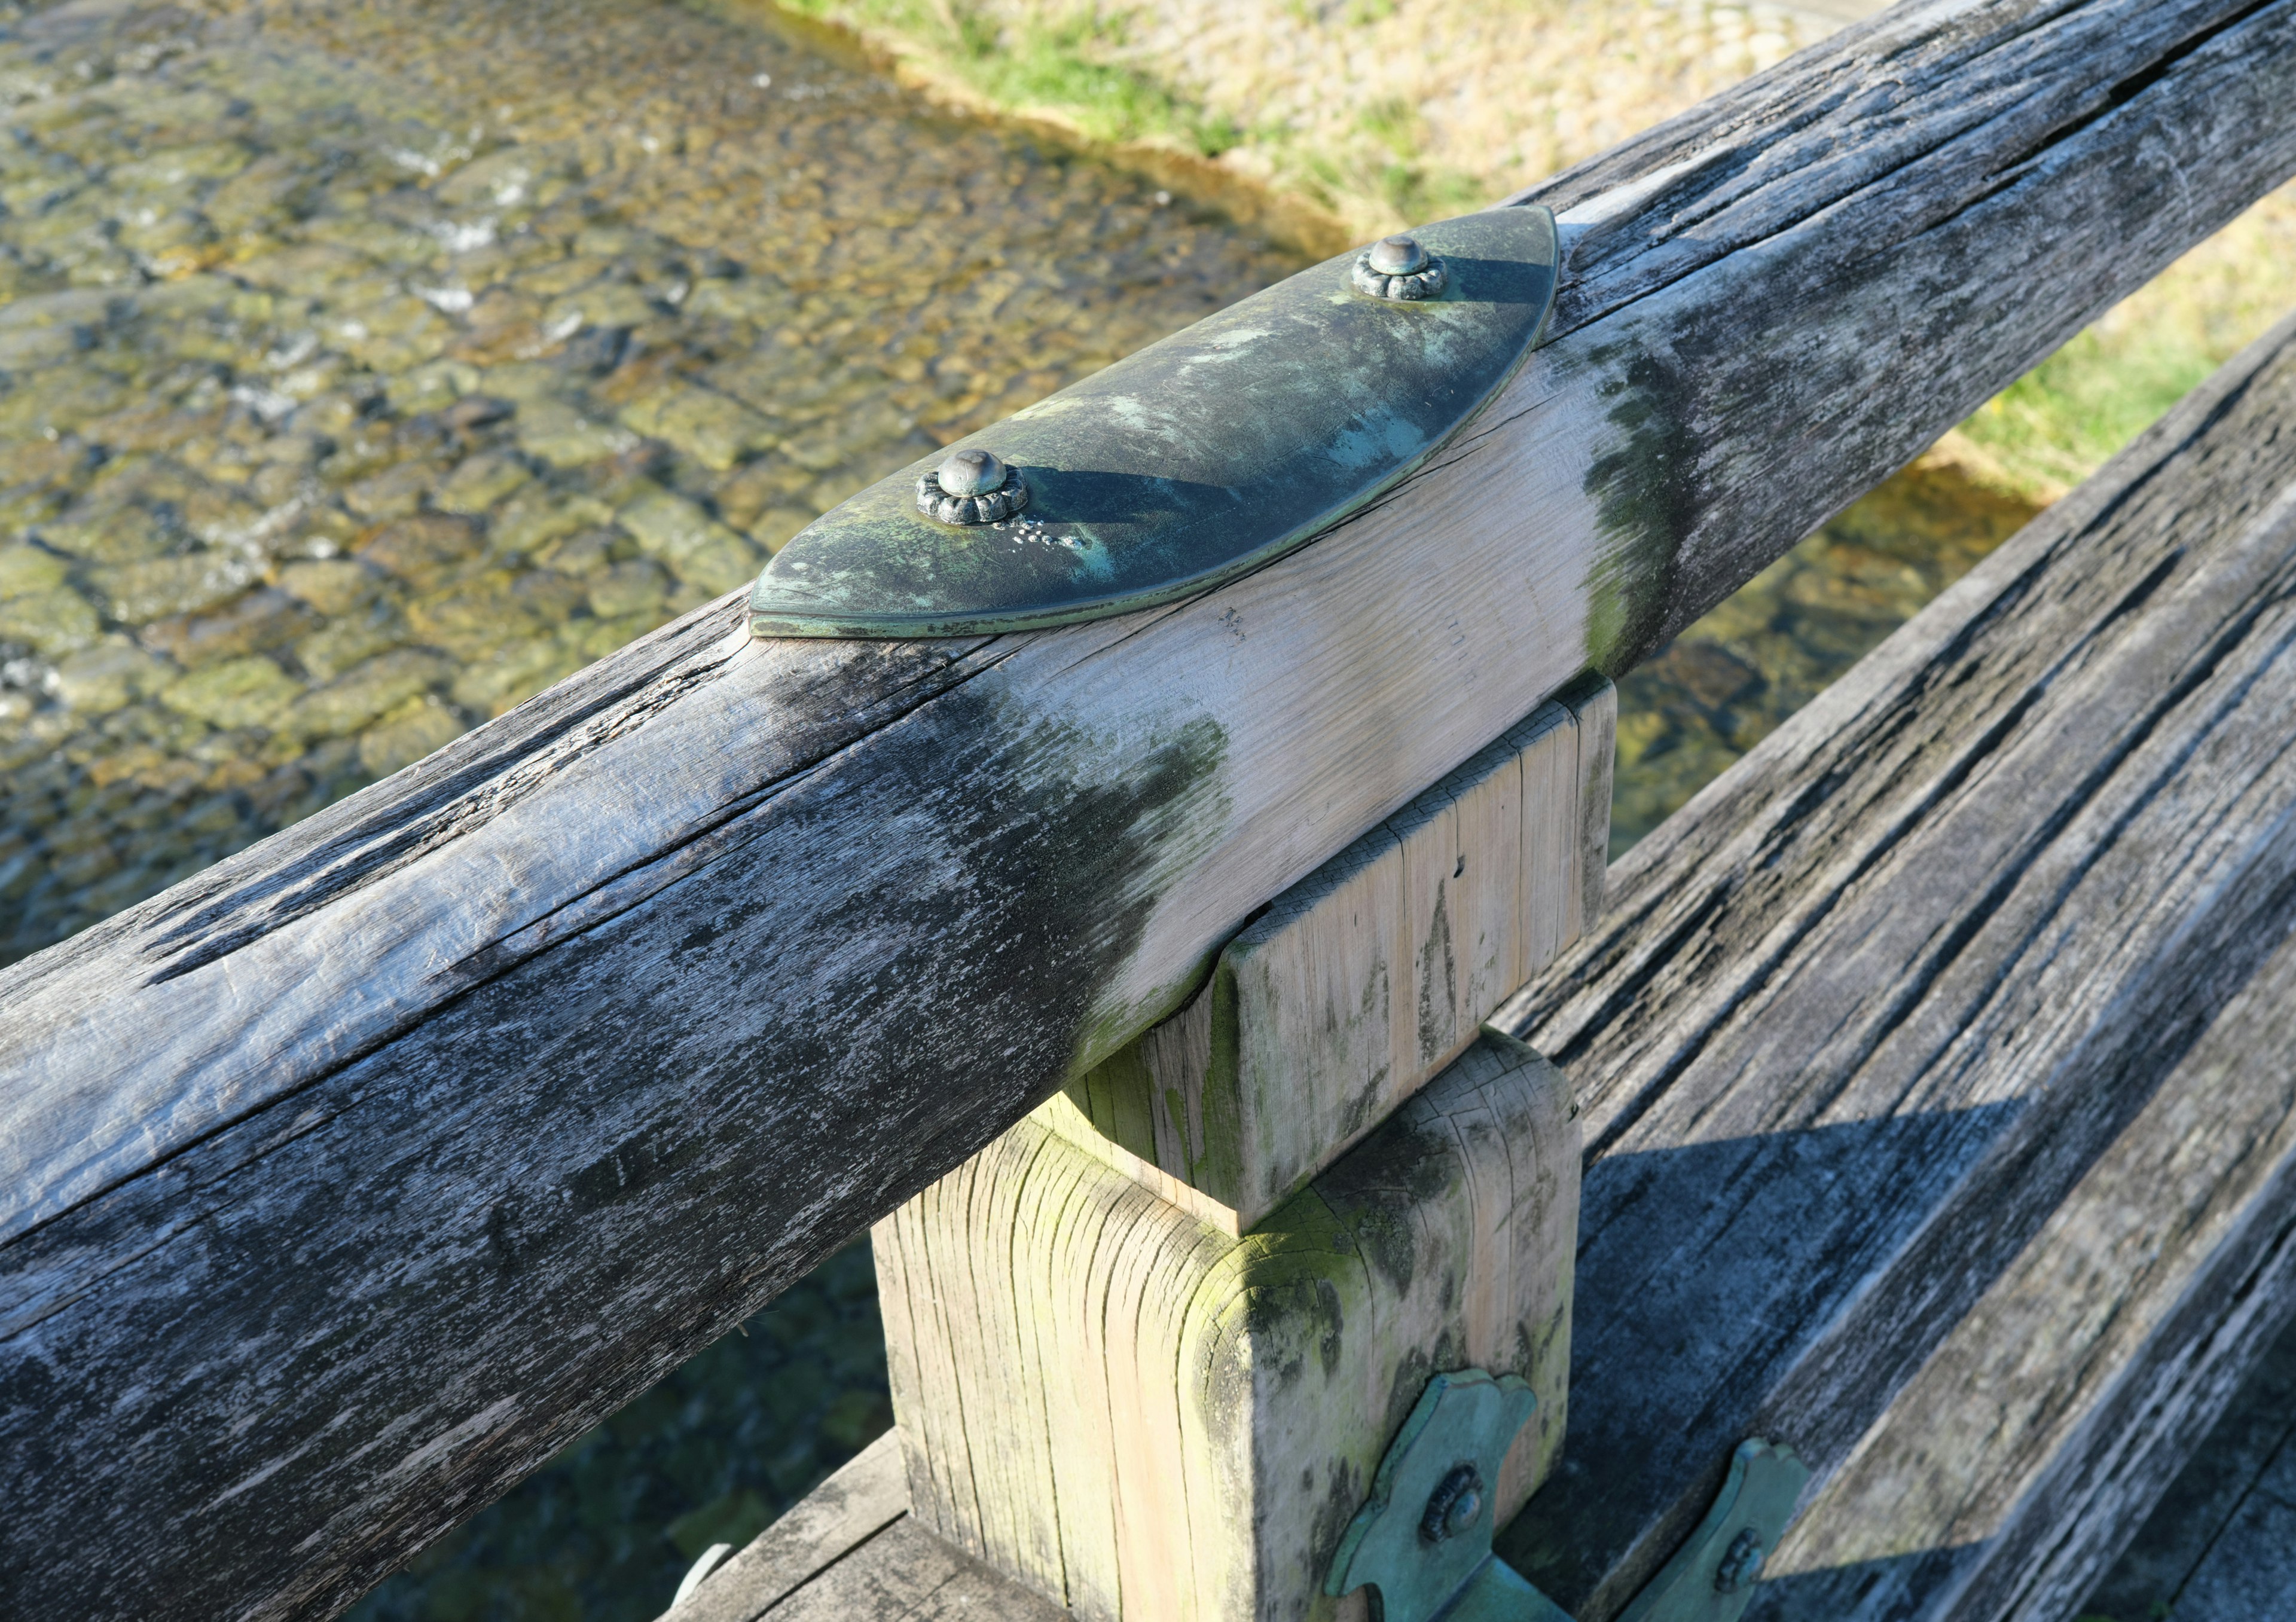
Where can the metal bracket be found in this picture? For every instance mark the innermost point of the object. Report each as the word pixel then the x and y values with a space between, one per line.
pixel 1197 460
pixel 1423 1538
pixel 1712 1577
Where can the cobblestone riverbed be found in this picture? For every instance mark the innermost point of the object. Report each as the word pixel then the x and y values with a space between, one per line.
pixel 369 366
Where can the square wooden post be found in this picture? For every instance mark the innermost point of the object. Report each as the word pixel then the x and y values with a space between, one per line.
pixel 1148 1348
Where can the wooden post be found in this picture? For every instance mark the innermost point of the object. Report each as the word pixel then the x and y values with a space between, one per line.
pixel 1357 984
pixel 1148 1348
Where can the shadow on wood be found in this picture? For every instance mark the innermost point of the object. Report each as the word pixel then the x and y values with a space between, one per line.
pixel 1933 1064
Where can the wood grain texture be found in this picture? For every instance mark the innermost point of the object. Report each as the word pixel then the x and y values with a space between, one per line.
pixel 1935 1064
pixel 342 1185
pixel 1593 706
pixel 1140 1417
pixel 816 1563
pixel 859 1500
pixel 1363 980
pixel 906 1574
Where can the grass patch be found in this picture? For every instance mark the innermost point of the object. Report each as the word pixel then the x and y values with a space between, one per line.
pixel 1375 148
pixel 1063 68
pixel 1066 65
pixel 2062 421
pixel 1386 160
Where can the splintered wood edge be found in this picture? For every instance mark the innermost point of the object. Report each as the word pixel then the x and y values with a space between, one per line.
pixel 860 1498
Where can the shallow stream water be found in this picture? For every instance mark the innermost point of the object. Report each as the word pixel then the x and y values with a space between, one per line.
pixel 366 368
pixel 370 366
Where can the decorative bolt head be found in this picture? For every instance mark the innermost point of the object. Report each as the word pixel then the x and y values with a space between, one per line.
pixel 972 486
pixel 971 473
pixel 1397 256
pixel 1741 1563
pixel 1398 268
pixel 1453 1504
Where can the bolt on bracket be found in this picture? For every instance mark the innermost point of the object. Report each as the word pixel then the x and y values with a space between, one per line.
pixel 1712 1577
pixel 1423 1538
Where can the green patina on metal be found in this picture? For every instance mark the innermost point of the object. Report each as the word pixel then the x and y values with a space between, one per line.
pixel 1193 461
pixel 1712 1577
pixel 1423 1539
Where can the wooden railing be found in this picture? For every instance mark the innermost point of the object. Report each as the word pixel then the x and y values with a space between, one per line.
pixel 1934 1065
pixel 346 1180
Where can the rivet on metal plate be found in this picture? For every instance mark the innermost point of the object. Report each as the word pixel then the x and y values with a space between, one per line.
pixel 1398 268
pixel 972 486
pixel 1194 461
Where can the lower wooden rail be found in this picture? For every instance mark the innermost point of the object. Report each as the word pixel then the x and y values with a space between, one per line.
pixel 1933 1070
pixel 1935 1067
pixel 851 1552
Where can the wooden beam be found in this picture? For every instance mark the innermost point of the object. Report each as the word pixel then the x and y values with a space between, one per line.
pixel 1363 980
pixel 849 1551
pixel 1934 1067
pixel 859 1500
pixel 1142 1417
pixel 342 1183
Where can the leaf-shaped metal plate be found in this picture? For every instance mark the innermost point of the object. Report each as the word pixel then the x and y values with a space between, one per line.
pixel 1195 461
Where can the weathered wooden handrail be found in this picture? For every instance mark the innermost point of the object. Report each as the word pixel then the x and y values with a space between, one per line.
pixel 346 1180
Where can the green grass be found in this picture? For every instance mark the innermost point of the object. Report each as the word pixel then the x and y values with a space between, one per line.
pixel 2061 421
pixel 1058 68
pixel 1386 159
pixel 1064 66
pixel 1072 65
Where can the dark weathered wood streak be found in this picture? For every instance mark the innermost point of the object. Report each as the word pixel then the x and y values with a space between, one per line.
pixel 1925 204
pixel 342 1185
pixel 1935 1064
